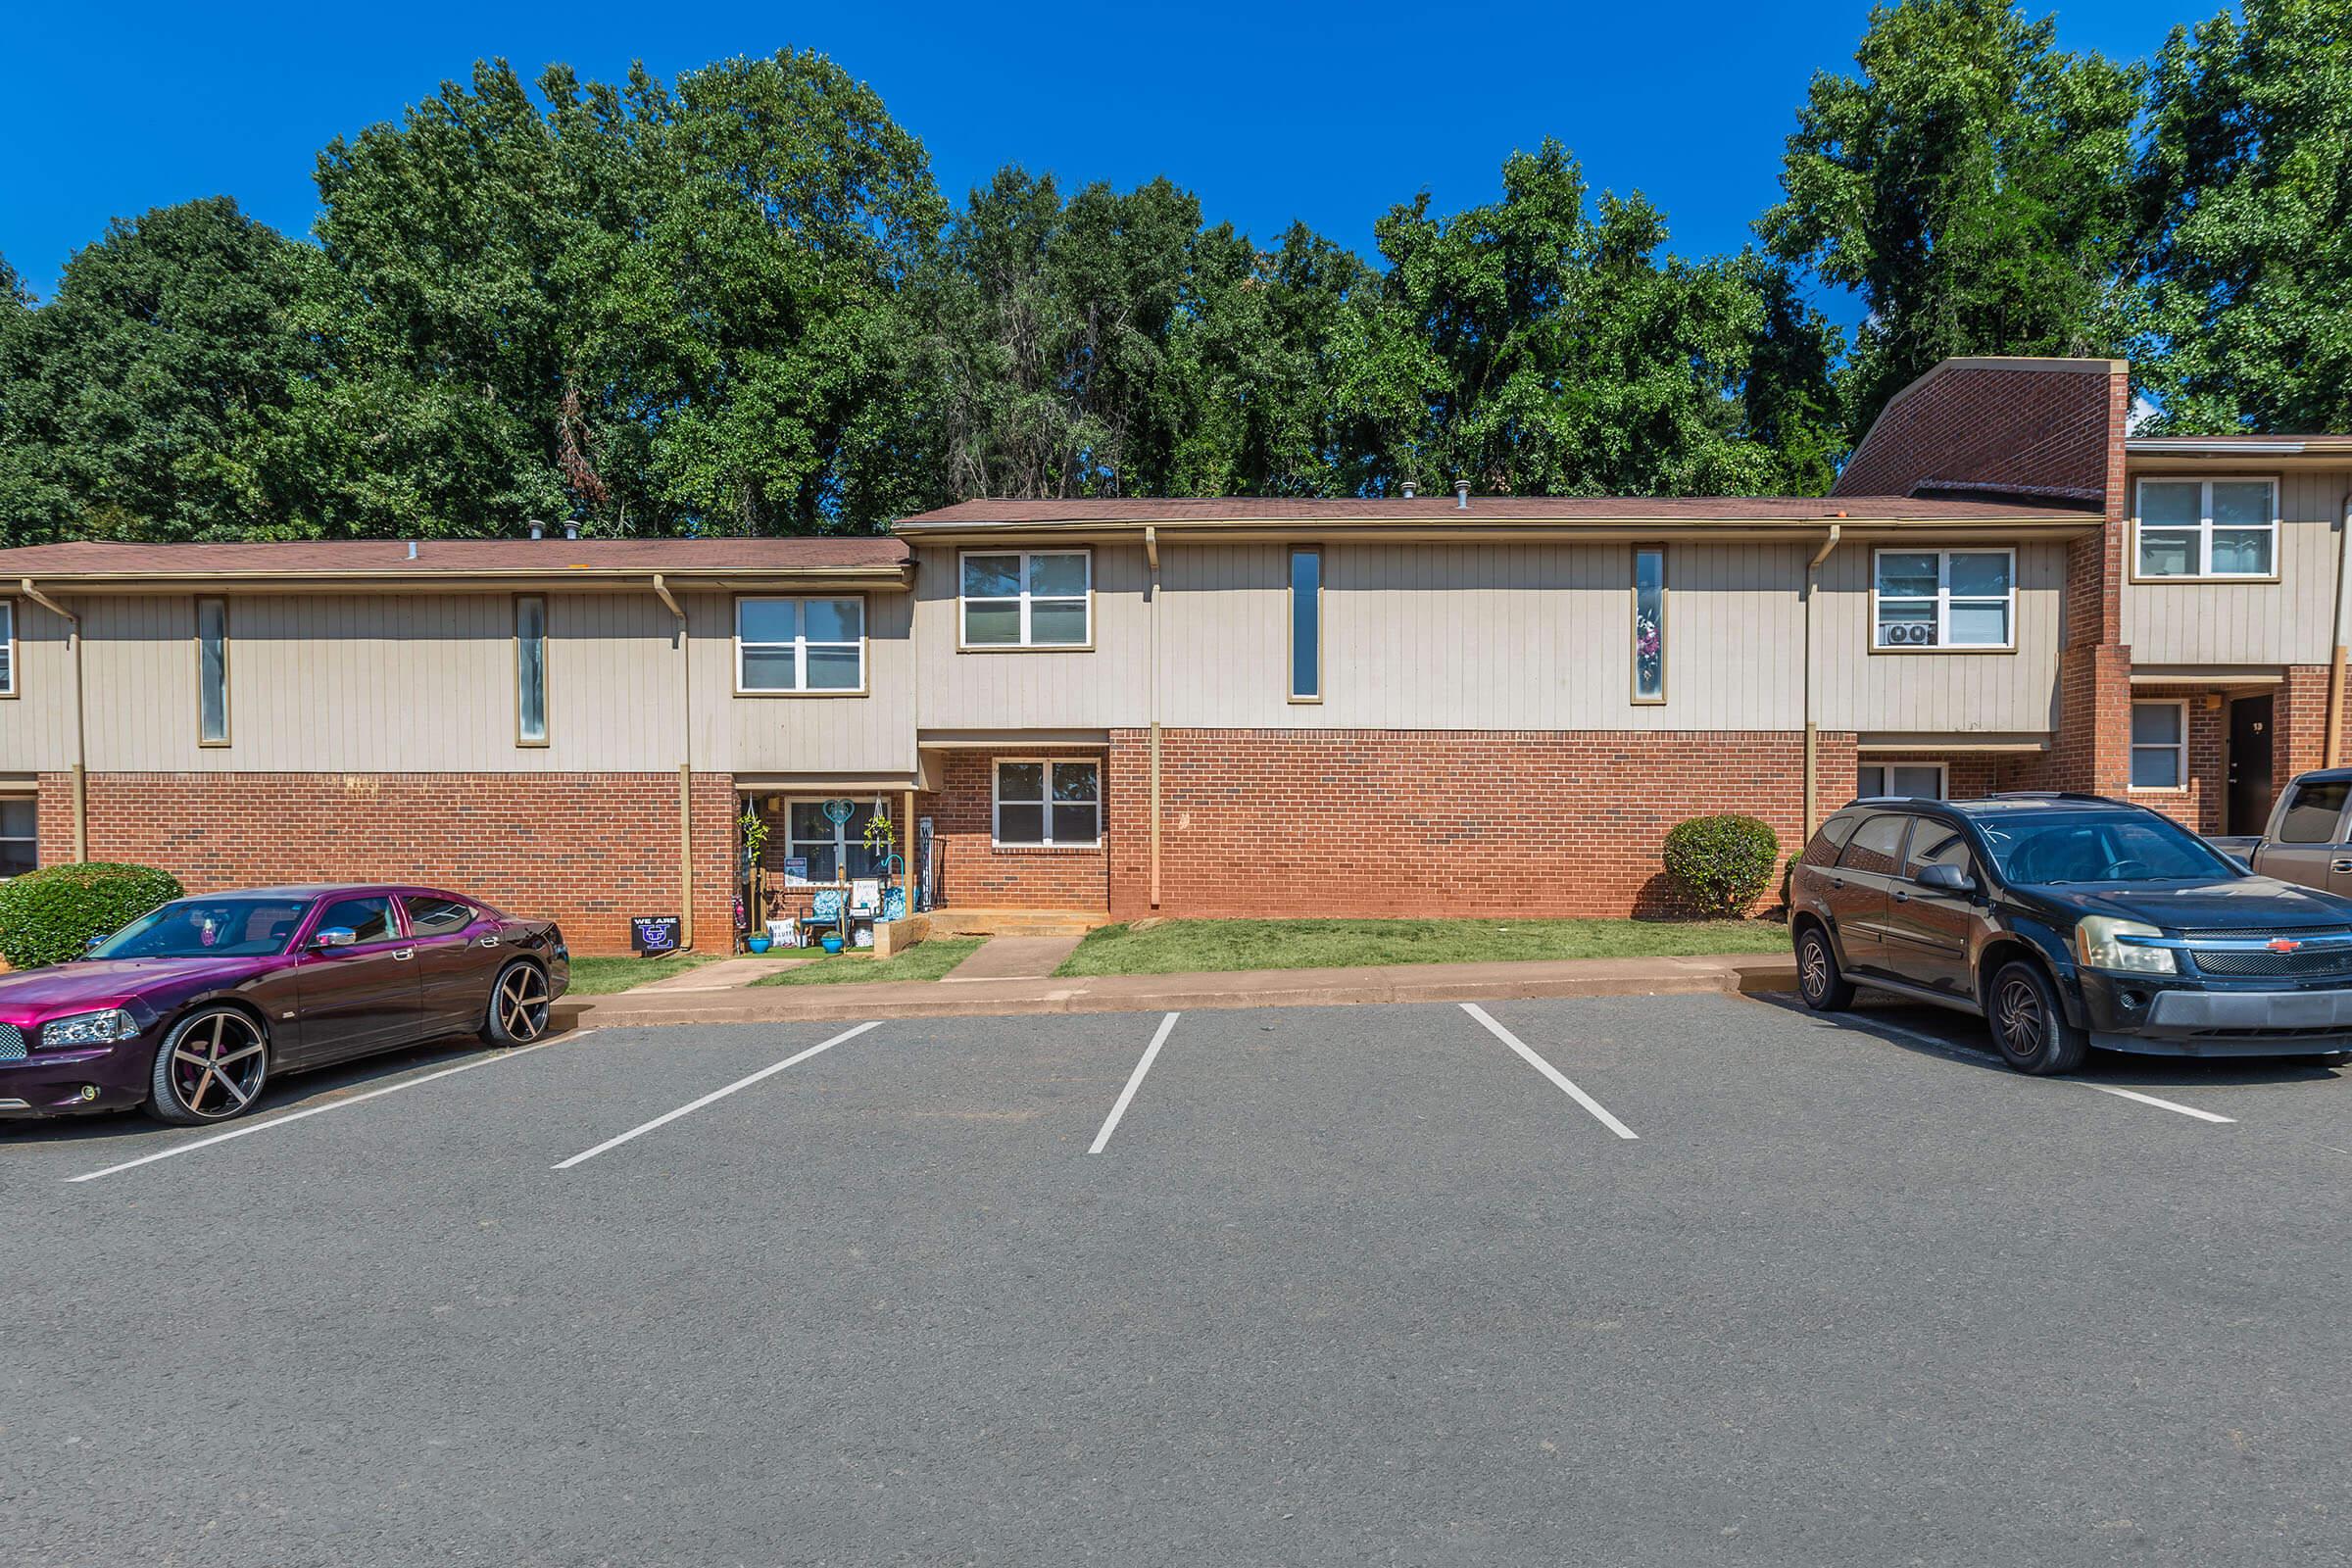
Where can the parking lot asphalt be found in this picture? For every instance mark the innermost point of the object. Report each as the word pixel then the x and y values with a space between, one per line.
pixel 1662 1280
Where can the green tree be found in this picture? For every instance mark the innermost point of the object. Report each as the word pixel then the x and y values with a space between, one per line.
pixel 1534 347
pixel 2245 192
pixel 1972 182
pixel 142 401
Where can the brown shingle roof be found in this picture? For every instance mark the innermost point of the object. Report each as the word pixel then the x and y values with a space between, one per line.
pixel 1436 511
pixel 453 557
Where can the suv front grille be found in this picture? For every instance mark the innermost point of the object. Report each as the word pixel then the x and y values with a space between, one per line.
pixel 12 1042
pixel 2298 933
pixel 2239 963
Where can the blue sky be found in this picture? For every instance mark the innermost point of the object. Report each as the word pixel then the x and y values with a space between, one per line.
pixel 1267 112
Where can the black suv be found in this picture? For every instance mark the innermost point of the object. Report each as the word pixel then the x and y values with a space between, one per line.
pixel 2070 921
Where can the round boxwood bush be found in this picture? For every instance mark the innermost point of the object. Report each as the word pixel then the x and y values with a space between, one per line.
pixel 1722 864
pixel 48 917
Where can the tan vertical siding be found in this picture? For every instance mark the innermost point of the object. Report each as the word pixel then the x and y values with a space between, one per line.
pixel 37 725
pixel 1480 636
pixel 2290 621
pixel 1858 689
pixel 1090 689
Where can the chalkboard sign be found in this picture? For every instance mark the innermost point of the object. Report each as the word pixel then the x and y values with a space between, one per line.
pixel 654 933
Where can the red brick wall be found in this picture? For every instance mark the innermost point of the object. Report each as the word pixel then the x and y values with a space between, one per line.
pixel 2038 430
pixel 974 874
pixel 1385 822
pixel 588 848
pixel 2299 723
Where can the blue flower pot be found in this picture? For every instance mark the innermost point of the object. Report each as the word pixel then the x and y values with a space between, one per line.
pixel 832 944
pixel 757 944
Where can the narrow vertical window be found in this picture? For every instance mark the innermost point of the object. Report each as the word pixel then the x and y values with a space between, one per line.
pixel 7 648
pixel 1650 625
pixel 212 671
pixel 1306 625
pixel 530 670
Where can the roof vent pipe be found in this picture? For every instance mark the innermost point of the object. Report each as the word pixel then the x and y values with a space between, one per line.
pixel 571 530
pixel 1461 495
pixel 1408 489
pixel 538 529
pixel 411 550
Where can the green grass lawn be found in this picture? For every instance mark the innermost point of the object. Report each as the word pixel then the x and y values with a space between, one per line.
pixel 597 977
pixel 925 961
pixel 1178 946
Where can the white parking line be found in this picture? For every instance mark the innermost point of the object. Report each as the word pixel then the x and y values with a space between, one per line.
pixel 248 1129
pixel 714 1095
pixel 1559 1080
pixel 1947 1049
pixel 2160 1104
pixel 1135 1081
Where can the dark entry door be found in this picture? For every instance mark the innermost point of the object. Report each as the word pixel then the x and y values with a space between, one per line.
pixel 2249 765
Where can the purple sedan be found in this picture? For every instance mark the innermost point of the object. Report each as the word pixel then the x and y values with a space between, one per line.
pixel 190 1009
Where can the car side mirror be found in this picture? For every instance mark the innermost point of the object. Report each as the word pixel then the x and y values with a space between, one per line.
pixel 334 936
pixel 93 945
pixel 1946 879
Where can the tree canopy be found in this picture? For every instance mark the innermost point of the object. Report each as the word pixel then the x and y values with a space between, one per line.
pixel 739 303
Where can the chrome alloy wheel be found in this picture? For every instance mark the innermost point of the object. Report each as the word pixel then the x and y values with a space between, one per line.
pixel 1814 967
pixel 219 1060
pixel 520 1005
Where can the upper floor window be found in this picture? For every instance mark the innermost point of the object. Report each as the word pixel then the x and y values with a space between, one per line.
pixel 530 670
pixel 1028 599
pixel 212 672
pixel 1650 625
pixel 7 648
pixel 799 644
pixel 1306 625
pixel 1947 599
pixel 2208 528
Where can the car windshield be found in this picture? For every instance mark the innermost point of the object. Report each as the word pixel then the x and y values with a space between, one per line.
pixel 2100 847
pixel 208 928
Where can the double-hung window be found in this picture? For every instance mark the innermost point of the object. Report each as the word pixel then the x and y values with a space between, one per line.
pixel 20 835
pixel 1921 781
pixel 1028 599
pixel 1049 803
pixel 799 644
pixel 2160 745
pixel 1945 599
pixel 2208 528
pixel 7 648
pixel 212 672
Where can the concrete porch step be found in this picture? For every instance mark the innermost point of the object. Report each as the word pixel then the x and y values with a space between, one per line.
pixel 975 922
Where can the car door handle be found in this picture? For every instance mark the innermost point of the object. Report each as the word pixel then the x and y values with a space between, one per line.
pixel 404 953
pixel 1902 898
pixel 2339 865
pixel 1836 881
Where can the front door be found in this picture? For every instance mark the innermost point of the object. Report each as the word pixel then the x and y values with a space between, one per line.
pixel 364 996
pixel 2249 765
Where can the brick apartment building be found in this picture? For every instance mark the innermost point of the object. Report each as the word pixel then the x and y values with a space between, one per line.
pixel 1403 705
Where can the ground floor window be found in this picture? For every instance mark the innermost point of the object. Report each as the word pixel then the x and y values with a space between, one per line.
pixel 1041 802
pixel 1921 781
pixel 811 835
pixel 2159 746
pixel 20 845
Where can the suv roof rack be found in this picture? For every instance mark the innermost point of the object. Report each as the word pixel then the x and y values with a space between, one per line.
pixel 2054 795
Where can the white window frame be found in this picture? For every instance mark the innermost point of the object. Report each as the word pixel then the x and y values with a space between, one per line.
pixel 1887 765
pixel 1046 765
pixel 2203 528
pixel 843 839
pixel 8 647
pixel 196 641
pixel 36 840
pixel 1026 600
pixel 2179 749
pixel 1291 608
pixel 522 736
pixel 799 644
pixel 1942 600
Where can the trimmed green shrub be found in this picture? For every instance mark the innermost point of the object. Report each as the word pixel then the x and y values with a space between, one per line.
pixel 1722 864
pixel 48 917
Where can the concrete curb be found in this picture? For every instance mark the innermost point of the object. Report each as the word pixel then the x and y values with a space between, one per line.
pixel 1733 974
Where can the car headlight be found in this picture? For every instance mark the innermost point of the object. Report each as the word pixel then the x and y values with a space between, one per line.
pixel 89 1028
pixel 2103 942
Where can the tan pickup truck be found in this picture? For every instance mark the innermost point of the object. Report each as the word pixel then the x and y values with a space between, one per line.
pixel 2309 837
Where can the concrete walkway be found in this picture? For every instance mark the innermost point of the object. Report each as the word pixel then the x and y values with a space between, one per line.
pixel 1168 993
pixel 727 974
pixel 1015 959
